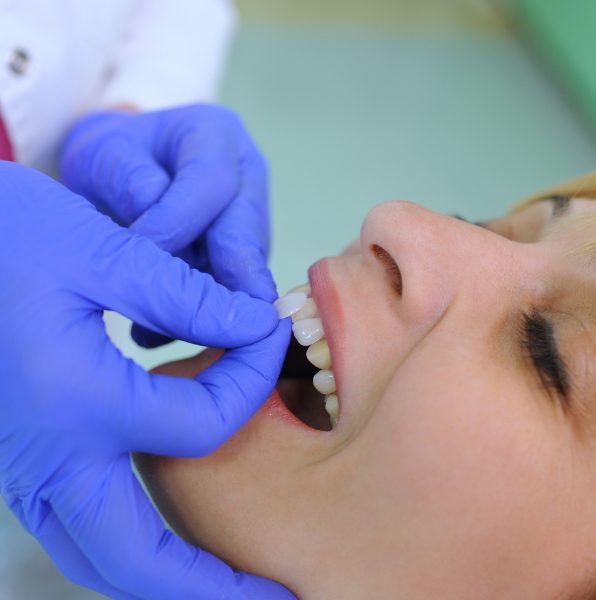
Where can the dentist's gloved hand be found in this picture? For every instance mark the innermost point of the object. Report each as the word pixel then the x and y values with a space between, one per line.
pixel 190 179
pixel 72 407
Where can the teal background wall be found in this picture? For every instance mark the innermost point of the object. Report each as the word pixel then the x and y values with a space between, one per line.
pixel 562 34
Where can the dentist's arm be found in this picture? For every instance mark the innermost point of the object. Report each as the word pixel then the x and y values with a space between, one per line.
pixel 67 428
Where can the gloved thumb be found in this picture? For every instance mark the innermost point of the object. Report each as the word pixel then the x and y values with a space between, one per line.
pixel 178 416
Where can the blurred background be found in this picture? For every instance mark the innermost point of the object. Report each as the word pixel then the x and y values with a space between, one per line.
pixel 463 106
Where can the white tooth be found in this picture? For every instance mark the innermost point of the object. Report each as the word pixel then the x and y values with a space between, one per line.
pixel 332 405
pixel 324 382
pixel 304 288
pixel 308 311
pixel 308 331
pixel 289 304
pixel 332 408
pixel 318 354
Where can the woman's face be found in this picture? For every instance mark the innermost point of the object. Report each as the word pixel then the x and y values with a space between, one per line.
pixel 463 464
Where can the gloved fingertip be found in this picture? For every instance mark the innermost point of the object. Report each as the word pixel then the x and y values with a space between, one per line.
pixel 258 285
pixel 257 316
pixel 241 266
pixel 145 338
pixel 264 286
pixel 266 293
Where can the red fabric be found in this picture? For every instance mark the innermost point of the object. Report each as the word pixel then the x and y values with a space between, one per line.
pixel 5 147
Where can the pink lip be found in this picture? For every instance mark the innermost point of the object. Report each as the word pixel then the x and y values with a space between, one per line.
pixel 326 297
pixel 275 407
pixel 331 314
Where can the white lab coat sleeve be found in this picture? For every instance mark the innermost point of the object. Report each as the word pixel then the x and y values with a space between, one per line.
pixel 172 53
pixel 69 45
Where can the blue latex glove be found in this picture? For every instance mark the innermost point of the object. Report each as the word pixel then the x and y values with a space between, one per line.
pixel 190 179
pixel 72 407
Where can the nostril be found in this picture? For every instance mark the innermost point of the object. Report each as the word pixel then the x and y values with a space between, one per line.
pixel 390 267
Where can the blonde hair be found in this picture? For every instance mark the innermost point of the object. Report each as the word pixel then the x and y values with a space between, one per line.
pixel 579 187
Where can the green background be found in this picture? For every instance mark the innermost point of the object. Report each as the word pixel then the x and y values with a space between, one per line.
pixel 563 33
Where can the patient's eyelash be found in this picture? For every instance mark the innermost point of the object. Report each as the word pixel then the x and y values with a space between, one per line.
pixel 539 342
pixel 460 218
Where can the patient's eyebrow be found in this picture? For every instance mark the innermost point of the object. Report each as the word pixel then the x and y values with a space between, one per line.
pixel 561 205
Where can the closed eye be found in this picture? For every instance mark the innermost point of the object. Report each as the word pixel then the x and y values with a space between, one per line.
pixel 539 342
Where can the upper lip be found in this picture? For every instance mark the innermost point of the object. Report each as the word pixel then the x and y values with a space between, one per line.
pixel 326 297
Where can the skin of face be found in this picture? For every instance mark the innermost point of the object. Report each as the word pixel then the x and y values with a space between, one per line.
pixel 452 473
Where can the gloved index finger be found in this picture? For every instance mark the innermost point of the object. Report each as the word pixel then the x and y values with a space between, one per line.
pixel 238 240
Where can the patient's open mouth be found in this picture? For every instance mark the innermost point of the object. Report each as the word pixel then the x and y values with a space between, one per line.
pixel 307 383
pixel 297 392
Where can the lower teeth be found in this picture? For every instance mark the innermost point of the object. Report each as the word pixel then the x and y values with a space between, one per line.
pixel 324 382
pixel 332 408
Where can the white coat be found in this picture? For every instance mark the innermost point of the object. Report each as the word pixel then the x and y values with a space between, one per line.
pixel 62 58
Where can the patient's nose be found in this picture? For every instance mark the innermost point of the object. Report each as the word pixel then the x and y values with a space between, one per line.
pixel 439 257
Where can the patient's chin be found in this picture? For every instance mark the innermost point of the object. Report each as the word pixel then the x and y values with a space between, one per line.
pixel 175 484
pixel 214 503
pixel 210 502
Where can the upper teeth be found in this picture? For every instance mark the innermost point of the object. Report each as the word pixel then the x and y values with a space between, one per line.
pixel 308 331
pixel 332 408
pixel 318 354
pixel 290 304
pixel 308 310
pixel 324 381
